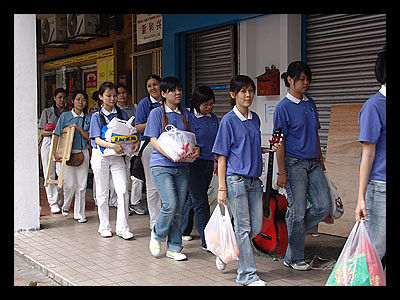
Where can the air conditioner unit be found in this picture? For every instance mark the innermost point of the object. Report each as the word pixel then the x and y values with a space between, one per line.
pixel 53 29
pixel 82 26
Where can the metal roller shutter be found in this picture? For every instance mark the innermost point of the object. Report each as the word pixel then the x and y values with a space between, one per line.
pixel 341 52
pixel 211 61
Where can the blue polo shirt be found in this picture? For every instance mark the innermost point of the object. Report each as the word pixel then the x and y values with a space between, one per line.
pixel 154 129
pixel 205 128
pixel 96 124
pixel 239 139
pixel 372 120
pixel 143 111
pixel 68 118
pixel 299 121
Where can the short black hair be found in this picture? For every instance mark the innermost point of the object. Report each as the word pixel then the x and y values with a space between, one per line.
pixel 200 95
pixel 121 85
pixel 237 83
pixel 60 90
pixel 380 67
pixel 84 95
pixel 80 92
pixel 169 84
pixel 294 70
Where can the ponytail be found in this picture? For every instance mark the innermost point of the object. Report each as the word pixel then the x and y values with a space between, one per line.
pixel 165 119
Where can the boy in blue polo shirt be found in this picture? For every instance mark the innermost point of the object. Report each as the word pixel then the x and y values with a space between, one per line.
pixel 300 164
pixel 371 203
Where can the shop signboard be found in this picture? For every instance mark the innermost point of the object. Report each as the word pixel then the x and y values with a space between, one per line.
pixel 148 28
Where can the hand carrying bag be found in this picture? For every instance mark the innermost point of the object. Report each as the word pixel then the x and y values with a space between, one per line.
pixel 358 263
pixel 219 235
pixel 177 144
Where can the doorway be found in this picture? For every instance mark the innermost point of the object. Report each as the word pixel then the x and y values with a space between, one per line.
pixel 144 63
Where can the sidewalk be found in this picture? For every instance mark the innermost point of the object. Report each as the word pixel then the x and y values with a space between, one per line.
pixel 74 254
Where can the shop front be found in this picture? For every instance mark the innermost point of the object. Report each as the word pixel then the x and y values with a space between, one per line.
pixel 83 72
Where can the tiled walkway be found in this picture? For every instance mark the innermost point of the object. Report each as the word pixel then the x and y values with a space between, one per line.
pixel 74 254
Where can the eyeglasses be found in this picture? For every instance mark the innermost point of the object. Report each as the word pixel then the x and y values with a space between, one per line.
pixel 207 104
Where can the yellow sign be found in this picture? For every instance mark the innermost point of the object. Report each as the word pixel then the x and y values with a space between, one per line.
pixel 105 70
pixel 77 59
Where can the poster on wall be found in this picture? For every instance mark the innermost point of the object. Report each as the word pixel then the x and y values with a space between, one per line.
pixel 148 28
pixel 91 87
pixel 105 70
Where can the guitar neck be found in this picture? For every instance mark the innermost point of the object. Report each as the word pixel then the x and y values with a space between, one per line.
pixel 269 172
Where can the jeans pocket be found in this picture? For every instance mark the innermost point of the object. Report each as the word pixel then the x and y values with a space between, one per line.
pixel 155 171
pixel 234 179
pixel 236 184
pixel 291 161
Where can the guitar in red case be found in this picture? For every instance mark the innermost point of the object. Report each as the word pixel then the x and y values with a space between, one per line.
pixel 273 238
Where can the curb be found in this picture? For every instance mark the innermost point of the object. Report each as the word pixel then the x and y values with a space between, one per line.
pixel 43 269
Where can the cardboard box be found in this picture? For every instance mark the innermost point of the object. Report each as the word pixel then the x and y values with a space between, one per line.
pixel 343 163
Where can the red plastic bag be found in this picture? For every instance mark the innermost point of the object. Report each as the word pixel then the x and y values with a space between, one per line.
pixel 220 237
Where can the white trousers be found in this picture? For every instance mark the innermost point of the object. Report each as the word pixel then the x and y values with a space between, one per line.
pixel 74 183
pixel 153 198
pixel 53 193
pixel 102 166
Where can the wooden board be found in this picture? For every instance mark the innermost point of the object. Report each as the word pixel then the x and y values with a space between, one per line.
pixel 342 164
pixel 64 152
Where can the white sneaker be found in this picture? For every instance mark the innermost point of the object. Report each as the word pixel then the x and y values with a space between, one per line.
pixel 105 233
pixel 154 245
pixel 55 209
pixel 176 255
pixel 65 213
pixel 258 282
pixel 300 266
pixel 127 235
pixel 220 264
pixel 187 238
pixel 82 220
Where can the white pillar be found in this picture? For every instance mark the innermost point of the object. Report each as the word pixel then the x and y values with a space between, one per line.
pixel 26 170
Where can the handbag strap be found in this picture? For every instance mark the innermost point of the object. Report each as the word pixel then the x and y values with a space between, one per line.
pixel 143 146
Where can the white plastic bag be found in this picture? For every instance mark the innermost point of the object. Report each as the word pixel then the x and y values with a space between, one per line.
pixel 120 132
pixel 177 144
pixel 220 237
pixel 337 204
pixel 358 263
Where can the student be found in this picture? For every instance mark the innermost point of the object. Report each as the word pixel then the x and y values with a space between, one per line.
pixel 75 178
pixel 122 100
pixel 300 162
pixel 371 204
pixel 102 166
pixel 205 125
pixel 137 184
pixel 145 105
pixel 48 117
pixel 113 196
pixel 169 177
pixel 239 154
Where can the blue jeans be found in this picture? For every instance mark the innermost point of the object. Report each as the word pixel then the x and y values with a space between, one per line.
pixel 304 176
pixel 171 184
pixel 200 175
pixel 245 199
pixel 375 202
